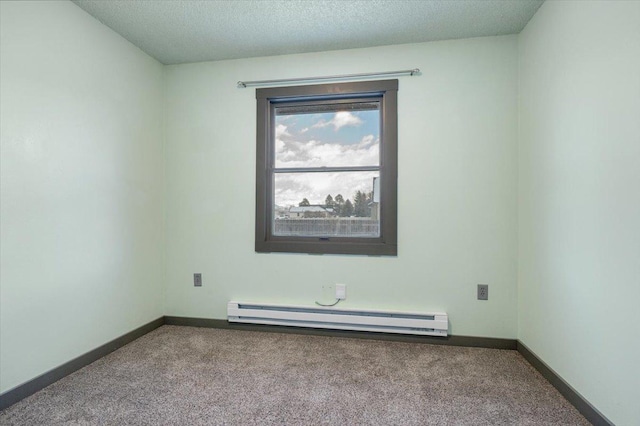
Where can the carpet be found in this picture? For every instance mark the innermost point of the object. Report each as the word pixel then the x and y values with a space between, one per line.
pixel 200 376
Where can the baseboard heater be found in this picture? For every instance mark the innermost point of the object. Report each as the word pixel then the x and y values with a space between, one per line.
pixel 428 324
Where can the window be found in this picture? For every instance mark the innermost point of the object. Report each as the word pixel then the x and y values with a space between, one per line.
pixel 326 168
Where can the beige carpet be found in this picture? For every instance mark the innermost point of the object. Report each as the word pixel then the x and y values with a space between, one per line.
pixel 198 376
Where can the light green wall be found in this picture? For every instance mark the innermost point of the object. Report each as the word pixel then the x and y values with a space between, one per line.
pixel 457 188
pixel 82 187
pixel 579 198
pixel 84 191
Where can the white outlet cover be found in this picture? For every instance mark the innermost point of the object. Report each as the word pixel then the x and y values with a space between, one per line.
pixel 341 291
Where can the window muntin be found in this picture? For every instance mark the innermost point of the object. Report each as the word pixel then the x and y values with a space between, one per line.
pixel 315 143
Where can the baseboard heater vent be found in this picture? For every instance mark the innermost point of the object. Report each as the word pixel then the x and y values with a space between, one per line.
pixel 429 324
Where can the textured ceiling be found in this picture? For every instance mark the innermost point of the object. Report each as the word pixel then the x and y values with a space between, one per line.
pixel 176 32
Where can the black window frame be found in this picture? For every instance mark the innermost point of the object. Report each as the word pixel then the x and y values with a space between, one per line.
pixel 267 99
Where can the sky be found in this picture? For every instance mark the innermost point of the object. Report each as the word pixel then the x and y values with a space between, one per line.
pixel 332 139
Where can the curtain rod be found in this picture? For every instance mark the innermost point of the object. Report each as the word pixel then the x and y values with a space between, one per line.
pixel 242 84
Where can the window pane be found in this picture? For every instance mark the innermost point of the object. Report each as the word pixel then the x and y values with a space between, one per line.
pixel 343 204
pixel 332 135
pixel 316 142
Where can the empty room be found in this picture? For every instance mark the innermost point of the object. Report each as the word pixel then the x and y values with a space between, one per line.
pixel 301 212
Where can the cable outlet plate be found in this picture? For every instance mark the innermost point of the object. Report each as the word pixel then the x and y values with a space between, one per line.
pixel 483 292
pixel 197 280
pixel 341 291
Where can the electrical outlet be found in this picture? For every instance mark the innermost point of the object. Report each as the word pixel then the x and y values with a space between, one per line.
pixel 483 292
pixel 197 280
pixel 341 291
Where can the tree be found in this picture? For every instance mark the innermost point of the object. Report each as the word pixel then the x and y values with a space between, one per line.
pixel 347 209
pixel 304 202
pixel 338 203
pixel 328 202
pixel 361 204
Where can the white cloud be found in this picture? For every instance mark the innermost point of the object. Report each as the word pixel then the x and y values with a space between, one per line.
pixel 314 153
pixel 366 141
pixel 279 145
pixel 345 118
pixel 339 120
pixel 281 130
